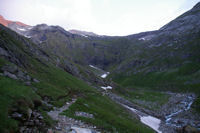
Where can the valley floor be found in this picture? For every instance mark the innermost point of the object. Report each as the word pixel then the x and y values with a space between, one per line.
pixel 170 117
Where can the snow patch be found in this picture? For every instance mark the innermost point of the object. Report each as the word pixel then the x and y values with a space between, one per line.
pixel 94 67
pixel 107 88
pixel 147 38
pixel 22 29
pixel 142 39
pixel 84 35
pixel 152 122
pixel 132 109
pixel 105 75
pixel 30 28
pixel 27 36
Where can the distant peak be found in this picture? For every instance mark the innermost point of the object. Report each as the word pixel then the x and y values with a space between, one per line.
pixel 1 17
pixel 21 24
pixel 5 22
pixel 42 25
pixel 83 33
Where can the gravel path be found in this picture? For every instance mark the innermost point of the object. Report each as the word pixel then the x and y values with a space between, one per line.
pixel 69 125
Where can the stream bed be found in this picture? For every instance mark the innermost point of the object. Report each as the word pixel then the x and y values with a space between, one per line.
pixel 171 114
pixel 181 106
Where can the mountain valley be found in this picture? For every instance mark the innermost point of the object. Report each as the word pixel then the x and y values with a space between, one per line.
pixel 53 80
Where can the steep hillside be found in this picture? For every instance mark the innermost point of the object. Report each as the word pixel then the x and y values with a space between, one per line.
pixel 173 49
pixel 31 85
pixel 167 59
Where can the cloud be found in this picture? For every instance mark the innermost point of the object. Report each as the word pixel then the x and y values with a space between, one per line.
pixel 67 13
pixel 111 17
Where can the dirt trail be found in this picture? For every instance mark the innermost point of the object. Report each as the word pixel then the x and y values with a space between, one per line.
pixel 68 125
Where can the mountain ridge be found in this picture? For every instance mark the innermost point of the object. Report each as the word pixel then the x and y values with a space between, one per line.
pixel 7 22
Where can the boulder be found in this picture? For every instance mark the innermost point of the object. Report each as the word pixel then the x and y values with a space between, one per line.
pixel 84 114
pixel 35 80
pixel 29 113
pixel 21 75
pixel 16 115
pixel 3 52
pixel 10 75
pixel 28 77
pixel 10 68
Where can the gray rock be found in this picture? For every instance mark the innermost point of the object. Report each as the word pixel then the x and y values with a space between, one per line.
pixel 35 80
pixel 84 114
pixel 16 115
pixel 10 68
pixel 28 77
pixel 28 83
pixel 58 128
pixel 10 75
pixel 22 129
pixel 3 52
pixel 29 112
pixel 35 114
pixel 21 75
pixel 40 117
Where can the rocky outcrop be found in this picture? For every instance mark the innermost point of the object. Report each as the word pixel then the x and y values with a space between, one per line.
pixel 32 123
pixel 14 72
pixel 84 114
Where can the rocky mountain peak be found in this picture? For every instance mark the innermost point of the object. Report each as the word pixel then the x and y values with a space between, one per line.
pixel 3 21
pixel 6 23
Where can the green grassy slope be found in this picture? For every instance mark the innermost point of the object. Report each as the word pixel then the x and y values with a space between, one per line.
pixel 56 84
pixel 167 67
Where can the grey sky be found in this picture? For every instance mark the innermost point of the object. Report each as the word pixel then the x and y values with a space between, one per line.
pixel 109 17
